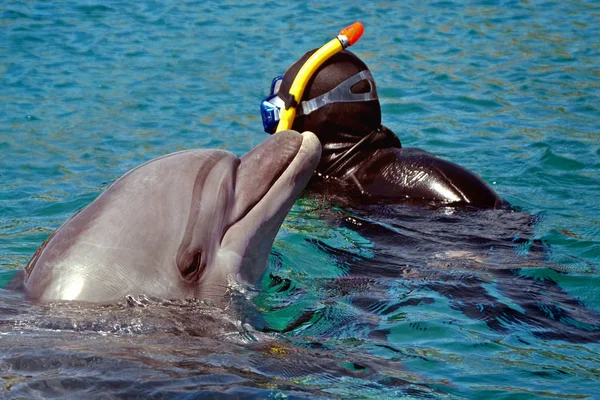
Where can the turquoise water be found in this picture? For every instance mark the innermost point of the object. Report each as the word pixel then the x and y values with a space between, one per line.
pixel 401 302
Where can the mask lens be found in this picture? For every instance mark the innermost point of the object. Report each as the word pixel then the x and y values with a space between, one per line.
pixel 276 84
pixel 270 107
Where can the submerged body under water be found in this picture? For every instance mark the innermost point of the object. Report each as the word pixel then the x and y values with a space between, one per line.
pixel 359 301
pixel 487 264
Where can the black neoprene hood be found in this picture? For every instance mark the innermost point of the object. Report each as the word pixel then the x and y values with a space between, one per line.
pixel 337 121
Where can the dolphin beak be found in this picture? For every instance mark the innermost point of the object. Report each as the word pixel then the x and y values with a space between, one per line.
pixel 260 168
pixel 269 179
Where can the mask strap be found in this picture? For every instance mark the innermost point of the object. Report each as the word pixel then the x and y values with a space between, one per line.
pixel 342 93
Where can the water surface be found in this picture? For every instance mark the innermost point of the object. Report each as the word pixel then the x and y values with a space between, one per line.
pixel 357 302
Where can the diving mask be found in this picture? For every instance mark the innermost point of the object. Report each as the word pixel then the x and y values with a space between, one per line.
pixel 271 106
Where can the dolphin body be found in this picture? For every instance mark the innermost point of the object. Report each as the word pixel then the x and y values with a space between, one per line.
pixel 179 226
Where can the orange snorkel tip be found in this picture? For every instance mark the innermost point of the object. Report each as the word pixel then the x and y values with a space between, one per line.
pixel 352 33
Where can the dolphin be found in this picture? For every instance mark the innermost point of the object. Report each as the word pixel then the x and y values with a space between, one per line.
pixel 179 226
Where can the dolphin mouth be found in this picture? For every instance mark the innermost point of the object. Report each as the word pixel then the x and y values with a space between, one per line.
pixel 287 154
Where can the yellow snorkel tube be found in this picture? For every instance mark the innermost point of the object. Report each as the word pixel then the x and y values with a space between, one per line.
pixel 347 37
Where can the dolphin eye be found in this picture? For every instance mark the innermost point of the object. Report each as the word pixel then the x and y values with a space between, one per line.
pixel 193 271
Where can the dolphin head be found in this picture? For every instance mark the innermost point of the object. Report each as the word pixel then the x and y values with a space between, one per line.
pixel 181 225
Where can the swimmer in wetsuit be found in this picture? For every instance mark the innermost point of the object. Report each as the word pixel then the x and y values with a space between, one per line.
pixel 363 158
pixel 364 162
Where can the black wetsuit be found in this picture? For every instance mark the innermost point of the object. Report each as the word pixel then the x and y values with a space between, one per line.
pixel 376 167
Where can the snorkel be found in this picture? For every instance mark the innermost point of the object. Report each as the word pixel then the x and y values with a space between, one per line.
pixel 346 38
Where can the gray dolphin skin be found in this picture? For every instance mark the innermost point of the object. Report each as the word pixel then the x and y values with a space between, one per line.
pixel 178 226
